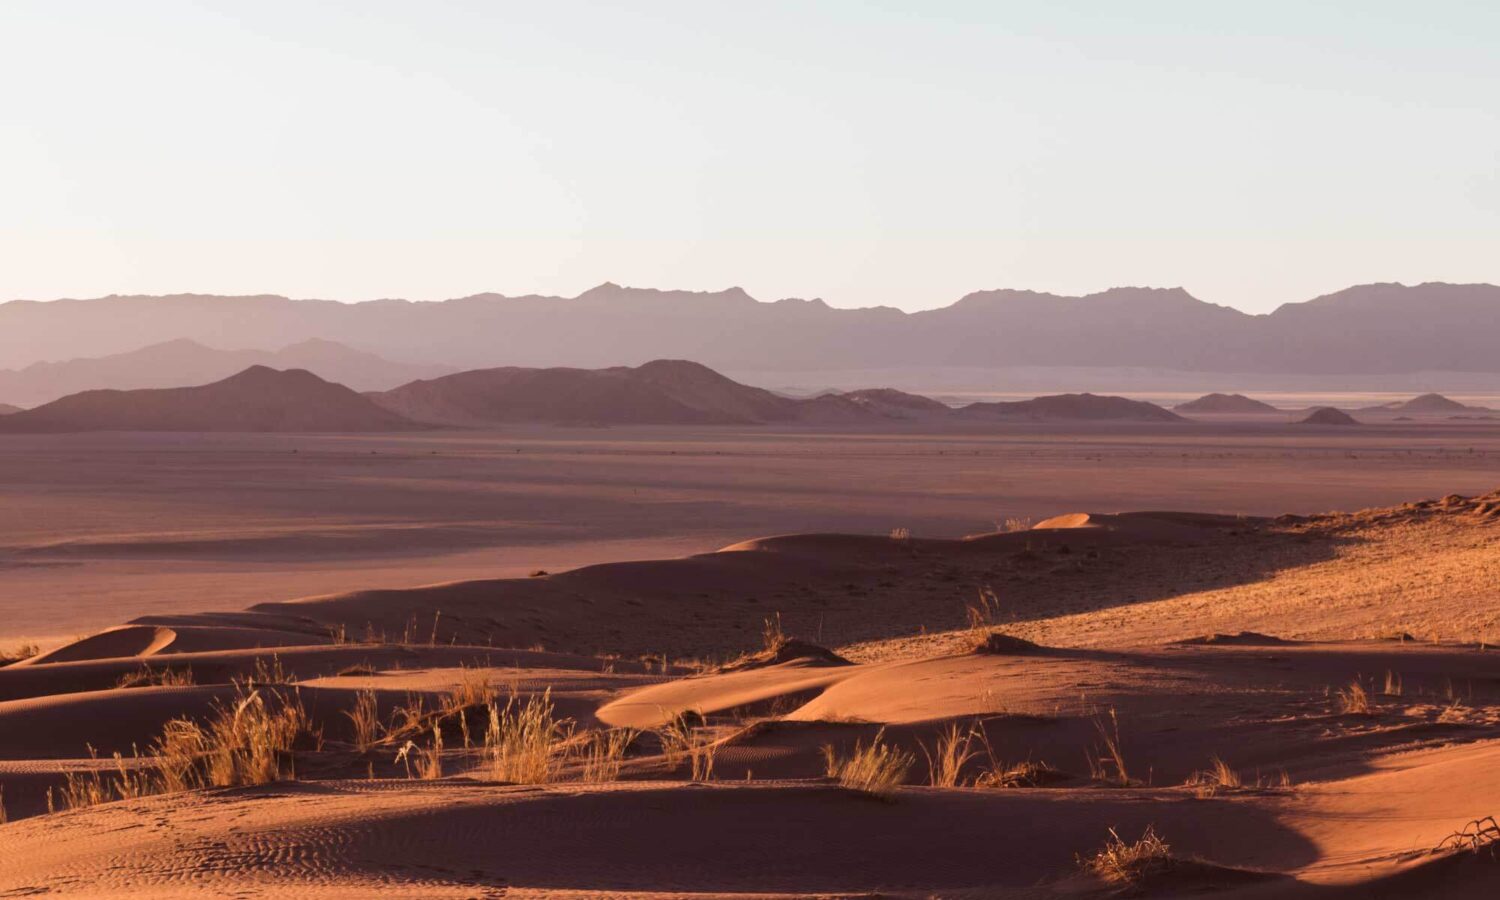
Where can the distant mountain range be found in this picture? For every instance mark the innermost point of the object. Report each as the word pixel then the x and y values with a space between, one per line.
pixel 183 362
pixel 257 399
pixel 1371 329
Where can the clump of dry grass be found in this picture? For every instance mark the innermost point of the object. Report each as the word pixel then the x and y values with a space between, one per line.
pixel 1119 863
pixel 248 742
pixel 946 761
pixel 875 769
pixel 1107 761
pixel 523 741
pixel 772 636
pixel 1392 684
pixel 603 753
pixel 18 653
pixel 429 759
pixel 268 673
pixel 681 741
pixel 1217 777
pixel 1019 775
pixel 1014 523
pixel 1353 700
pixel 146 676
pixel 901 535
pixel 984 612
pixel 358 669
pixel 365 719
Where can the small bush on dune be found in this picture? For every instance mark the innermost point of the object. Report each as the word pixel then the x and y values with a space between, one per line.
pixel 875 769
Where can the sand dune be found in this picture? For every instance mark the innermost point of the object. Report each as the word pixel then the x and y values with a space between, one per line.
pixel 1100 710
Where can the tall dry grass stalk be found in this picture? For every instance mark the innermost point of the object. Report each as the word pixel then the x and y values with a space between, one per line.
pixel 1107 762
pixel 875 769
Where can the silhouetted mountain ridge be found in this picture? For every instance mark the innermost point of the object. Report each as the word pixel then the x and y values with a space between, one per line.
pixel 1370 329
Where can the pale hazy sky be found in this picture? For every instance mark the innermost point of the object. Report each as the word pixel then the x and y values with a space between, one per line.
pixel 868 153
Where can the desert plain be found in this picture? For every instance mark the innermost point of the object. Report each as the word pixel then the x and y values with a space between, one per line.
pixel 1241 658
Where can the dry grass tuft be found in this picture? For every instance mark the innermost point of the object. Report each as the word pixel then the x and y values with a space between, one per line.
pixel 429 760
pixel 771 634
pixel 875 770
pixel 1119 863
pixel 984 613
pixel 1392 684
pixel 1353 700
pixel 603 753
pixel 1217 777
pixel 18 653
pixel 365 717
pixel 680 740
pixel 248 742
pixel 954 750
pixel 1026 774
pixel 146 676
pixel 523 741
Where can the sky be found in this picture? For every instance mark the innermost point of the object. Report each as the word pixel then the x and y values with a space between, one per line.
pixel 868 153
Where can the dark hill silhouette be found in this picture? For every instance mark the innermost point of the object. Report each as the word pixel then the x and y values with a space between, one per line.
pixel 185 363
pixel 1370 329
pixel 1431 404
pixel 661 392
pixel 894 404
pixel 257 399
pixel 1074 407
pixel 1327 415
pixel 6 409
pixel 1225 403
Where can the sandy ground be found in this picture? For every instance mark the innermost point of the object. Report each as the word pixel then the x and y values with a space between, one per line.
pixel 96 528
pixel 1333 669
